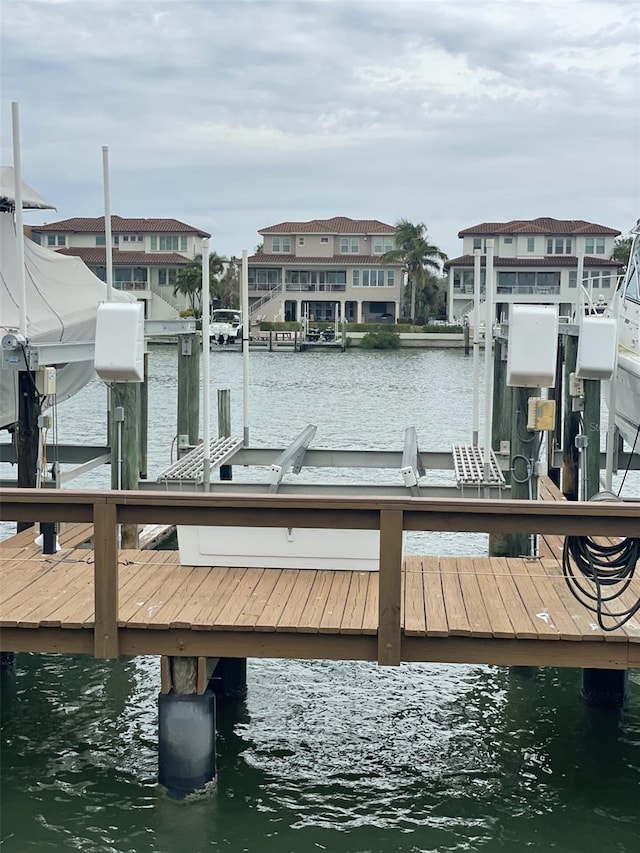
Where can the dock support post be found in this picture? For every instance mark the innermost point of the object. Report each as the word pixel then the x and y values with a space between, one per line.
pixel 224 426
pixel 125 446
pixel 591 418
pixel 189 386
pixel 229 680
pixel 604 688
pixel 27 435
pixel 186 741
pixel 571 425
pixel 144 419
pixel 186 725
pixel 465 328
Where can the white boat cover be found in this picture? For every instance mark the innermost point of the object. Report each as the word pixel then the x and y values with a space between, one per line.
pixel 62 296
pixel 31 200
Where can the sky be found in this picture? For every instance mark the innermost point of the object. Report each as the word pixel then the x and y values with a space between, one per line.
pixel 232 115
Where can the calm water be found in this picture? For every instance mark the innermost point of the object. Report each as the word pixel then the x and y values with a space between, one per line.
pixel 341 757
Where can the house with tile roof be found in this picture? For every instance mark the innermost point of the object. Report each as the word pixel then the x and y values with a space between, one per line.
pixel 536 260
pixel 147 254
pixel 325 269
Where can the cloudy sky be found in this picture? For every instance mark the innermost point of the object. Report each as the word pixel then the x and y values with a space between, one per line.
pixel 236 114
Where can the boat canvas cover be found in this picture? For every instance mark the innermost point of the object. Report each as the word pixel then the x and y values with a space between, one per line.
pixel 62 298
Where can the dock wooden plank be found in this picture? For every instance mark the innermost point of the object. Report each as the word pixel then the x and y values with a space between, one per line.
pixel 28 602
pixel 415 621
pixel 355 604
pixel 62 586
pixel 539 613
pixel 192 595
pixel 212 589
pixel 167 603
pixel 336 599
pixel 252 609
pixel 501 627
pixel 296 603
pixel 138 583
pixel 457 618
pixel 370 614
pixel 522 625
pixel 76 606
pixel 227 581
pixel 312 614
pixel 477 615
pixel 435 612
pixel 585 622
pixel 556 605
pixel 270 616
pixel 226 618
pixel 21 574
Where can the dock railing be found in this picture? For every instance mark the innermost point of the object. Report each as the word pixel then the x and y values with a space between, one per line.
pixel 391 516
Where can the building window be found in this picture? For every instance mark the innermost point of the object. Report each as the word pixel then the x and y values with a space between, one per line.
pixel 324 239
pixel 162 243
pixel 281 244
pixel 374 278
pixel 355 277
pixel 558 246
pixel 56 240
pixel 477 243
pixel 391 278
pixel 508 239
pixel 573 278
pixel 167 276
pixel 594 246
pixel 531 244
pixel 349 245
pixel 51 239
pixel 300 241
pixel 381 245
pixel 101 240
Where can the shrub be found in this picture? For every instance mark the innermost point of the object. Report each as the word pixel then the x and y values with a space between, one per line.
pixel 381 340
pixel 442 329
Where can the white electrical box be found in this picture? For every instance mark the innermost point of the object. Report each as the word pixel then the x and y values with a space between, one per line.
pixel 46 381
pixel 119 352
pixel 533 346
pixel 597 348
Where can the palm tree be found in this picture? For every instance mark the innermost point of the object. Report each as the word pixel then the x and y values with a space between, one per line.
pixel 416 253
pixel 189 280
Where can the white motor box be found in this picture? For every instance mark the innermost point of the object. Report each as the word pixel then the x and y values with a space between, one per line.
pixel 533 346
pixel 597 348
pixel 119 352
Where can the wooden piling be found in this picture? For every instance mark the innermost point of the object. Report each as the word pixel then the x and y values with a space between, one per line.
pixel 224 426
pixel 189 386
pixel 571 425
pixel 125 446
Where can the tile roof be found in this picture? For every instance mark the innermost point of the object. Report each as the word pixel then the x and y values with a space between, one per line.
pixel 335 225
pixel 121 225
pixel 541 225
pixel 263 259
pixel 546 261
pixel 98 256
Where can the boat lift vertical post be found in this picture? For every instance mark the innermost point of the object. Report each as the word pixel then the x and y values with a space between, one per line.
pixel 17 182
pixel 206 368
pixel 244 304
pixel 476 346
pixel 107 221
pixel 488 361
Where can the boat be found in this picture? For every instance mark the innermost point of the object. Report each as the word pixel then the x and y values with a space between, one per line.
pixel 625 307
pixel 225 327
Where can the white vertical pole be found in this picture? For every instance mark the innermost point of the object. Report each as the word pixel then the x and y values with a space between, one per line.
pixel 107 221
pixel 244 307
pixel 206 365
pixel 488 360
pixel 580 285
pixel 476 346
pixel 611 430
pixel 17 183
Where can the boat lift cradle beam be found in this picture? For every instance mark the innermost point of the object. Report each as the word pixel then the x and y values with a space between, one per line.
pixel 412 467
pixel 291 458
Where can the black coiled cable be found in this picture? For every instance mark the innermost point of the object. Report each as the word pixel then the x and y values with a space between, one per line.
pixel 605 566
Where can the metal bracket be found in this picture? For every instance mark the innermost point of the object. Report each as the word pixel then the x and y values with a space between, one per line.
pixel 291 458
pixel 412 468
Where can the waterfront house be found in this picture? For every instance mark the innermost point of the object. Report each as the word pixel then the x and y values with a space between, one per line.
pixel 147 254
pixel 325 269
pixel 536 260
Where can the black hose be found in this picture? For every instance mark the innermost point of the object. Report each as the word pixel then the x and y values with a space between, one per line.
pixel 608 571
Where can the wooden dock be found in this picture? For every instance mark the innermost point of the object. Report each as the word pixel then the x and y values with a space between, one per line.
pixel 514 611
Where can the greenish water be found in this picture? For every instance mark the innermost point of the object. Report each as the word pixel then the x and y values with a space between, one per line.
pixel 323 756
pixel 342 757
